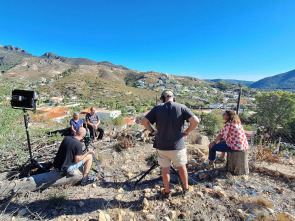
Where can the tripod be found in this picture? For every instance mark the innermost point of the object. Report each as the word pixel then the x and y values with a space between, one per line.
pixel 153 167
pixel 87 143
pixel 33 163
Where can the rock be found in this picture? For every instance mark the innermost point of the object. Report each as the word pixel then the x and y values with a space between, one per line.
pixel 145 203
pixel 203 140
pixel 221 193
pixel 199 152
pixel 81 203
pixel 193 162
pixel 13 218
pixel 229 175
pixel 217 188
pixel 245 177
pixel 147 190
pixel 157 187
pixel 103 217
pixel 129 175
pixel 291 162
pixel 279 190
pixel 121 190
pixel 121 215
pixel 172 214
pixel 166 218
pixel 119 197
pixel 151 217
pixel 211 192
pixel 202 176
pixel 147 195
pixel 22 212
pixel 178 188
pixel 200 194
pixel 131 214
pixel 277 174
pixel 261 169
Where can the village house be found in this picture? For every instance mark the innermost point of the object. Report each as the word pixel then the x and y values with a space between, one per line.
pixel 56 114
pixel 215 106
pixel 128 122
pixel 108 113
pixel 55 100
pixel 177 86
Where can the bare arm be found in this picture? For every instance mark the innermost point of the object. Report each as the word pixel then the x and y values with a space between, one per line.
pixel 215 141
pixel 73 129
pixel 194 121
pixel 78 158
pixel 146 123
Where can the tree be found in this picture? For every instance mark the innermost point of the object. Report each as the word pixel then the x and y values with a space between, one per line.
pixel 213 123
pixel 274 109
pixel 119 121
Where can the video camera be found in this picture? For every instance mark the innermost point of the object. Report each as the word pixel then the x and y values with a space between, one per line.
pixel 87 140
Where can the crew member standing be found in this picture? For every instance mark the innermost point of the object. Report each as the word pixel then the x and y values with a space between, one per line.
pixel 93 122
pixel 169 118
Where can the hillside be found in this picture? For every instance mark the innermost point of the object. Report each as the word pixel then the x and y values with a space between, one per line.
pixel 55 75
pixel 232 81
pixel 284 81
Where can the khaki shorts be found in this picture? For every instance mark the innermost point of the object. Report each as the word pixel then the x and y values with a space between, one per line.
pixel 178 157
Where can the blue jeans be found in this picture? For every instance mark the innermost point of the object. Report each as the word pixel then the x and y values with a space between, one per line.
pixel 75 166
pixel 221 147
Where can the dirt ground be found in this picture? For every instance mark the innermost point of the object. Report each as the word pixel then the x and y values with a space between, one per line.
pixel 216 195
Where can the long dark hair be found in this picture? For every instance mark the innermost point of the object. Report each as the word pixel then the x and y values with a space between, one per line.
pixel 232 117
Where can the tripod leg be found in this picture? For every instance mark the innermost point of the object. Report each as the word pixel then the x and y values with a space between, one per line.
pixel 146 173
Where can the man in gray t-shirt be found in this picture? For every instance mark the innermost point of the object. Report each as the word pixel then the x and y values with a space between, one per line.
pixel 93 122
pixel 169 118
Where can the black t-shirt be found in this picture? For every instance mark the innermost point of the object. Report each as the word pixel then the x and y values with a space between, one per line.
pixel 169 118
pixel 68 149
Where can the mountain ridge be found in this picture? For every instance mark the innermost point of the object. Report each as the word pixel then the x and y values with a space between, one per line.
pixel 283 81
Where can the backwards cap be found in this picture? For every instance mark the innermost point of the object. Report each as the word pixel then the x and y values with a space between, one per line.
pixel 167 93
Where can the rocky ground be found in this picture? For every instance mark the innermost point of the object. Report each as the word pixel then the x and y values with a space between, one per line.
pixel 216 195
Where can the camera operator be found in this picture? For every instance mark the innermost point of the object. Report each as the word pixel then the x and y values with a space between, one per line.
pixel 169 118
pixel 69 156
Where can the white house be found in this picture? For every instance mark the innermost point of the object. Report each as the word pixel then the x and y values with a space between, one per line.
pixel 54 100
pixel 215 106
pixel 108 113
pixel 177 86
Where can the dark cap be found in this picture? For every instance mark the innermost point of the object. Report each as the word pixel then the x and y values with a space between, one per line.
pixel 167 93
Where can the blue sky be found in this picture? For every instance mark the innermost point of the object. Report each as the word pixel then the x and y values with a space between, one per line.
pixel 207 39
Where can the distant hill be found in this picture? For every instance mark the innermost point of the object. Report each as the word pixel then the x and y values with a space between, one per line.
pixel 80 61
pixel 284 81
pixel 232 81
pixel 54 75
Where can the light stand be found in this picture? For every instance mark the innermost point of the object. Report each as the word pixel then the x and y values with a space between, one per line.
pixel 33 163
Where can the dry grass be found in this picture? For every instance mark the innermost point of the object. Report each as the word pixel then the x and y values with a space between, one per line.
pixel 261 201
pixel 265 154
pixel 125 143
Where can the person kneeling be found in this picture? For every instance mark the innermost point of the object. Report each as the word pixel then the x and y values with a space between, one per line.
pixel 70 156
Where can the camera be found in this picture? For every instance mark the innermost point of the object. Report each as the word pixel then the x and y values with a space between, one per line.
pixel 87 141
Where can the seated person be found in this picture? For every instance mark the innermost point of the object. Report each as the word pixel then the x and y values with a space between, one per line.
pixel 69 156
pixel 76 123
pixel 93 122
pixel 234 137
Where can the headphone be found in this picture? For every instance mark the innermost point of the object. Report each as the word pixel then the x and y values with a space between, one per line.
pixel 162 98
